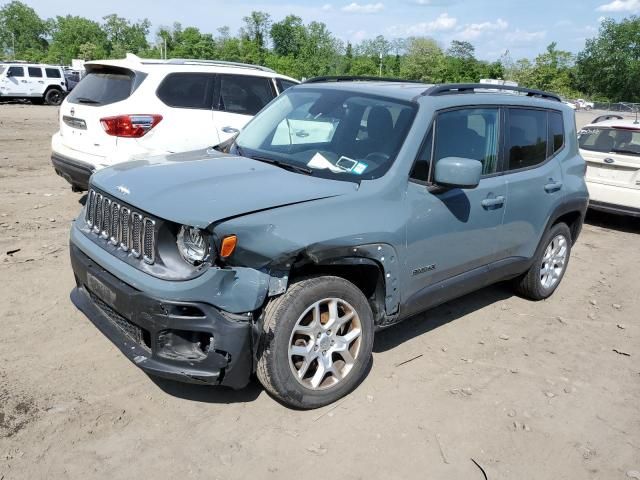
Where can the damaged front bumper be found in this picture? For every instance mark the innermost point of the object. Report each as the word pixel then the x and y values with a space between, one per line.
pixel 189 341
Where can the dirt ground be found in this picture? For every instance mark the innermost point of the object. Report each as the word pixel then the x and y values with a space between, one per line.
pixel 545 390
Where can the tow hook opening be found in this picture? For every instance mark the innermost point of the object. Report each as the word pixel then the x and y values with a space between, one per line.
pixel 184 345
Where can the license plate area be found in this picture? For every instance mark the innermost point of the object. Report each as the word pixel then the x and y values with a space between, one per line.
pixel 102 291
pixel 613 173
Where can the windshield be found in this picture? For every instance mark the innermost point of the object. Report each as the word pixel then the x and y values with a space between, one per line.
pixel 337 134
pixel 606 140
pixel 1 70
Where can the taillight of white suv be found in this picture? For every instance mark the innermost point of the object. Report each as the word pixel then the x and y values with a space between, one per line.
pixel 130 126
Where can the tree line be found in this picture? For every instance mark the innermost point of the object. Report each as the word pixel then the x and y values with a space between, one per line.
pixel 607 69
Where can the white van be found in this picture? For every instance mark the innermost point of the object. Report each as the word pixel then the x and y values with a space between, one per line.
pixel 131 108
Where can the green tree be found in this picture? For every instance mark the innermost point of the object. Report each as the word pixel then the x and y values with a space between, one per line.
pixel 22 32
pixel 125 37
pixel 423 61
pixel 609 65
pixel 76 37
pixel 255 34
pixel 288 36
pixel 460 64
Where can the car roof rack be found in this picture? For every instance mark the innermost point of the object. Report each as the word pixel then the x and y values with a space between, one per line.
pixel 222 63
pixel 454 88
pixel 354 78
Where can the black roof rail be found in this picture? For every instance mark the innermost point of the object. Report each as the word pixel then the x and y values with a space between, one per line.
pixel 354 78
pixel 453 88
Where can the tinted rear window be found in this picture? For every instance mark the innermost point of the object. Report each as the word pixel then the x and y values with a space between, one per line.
pixel 188 90
pixel 605 140
pixel 102 87
pixel 52 73
pixel 35 72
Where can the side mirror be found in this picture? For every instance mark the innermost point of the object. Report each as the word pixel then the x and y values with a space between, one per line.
pixel 10 73
pixel 455 172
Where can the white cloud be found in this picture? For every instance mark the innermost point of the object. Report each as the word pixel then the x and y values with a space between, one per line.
pixel 441 24
pixel 475 30
pixel 327 6
pixel 357 36
pixel 522 37
pixel 363 8
pixel 620 6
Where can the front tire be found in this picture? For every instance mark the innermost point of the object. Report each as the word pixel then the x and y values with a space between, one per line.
pixel 317 342
pixel 549 265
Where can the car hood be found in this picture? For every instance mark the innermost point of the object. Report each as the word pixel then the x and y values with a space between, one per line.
pixel 202 187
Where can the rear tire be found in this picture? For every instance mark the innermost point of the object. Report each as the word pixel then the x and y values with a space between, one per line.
pixel 549 264
pixel 317 342
pixel 53 97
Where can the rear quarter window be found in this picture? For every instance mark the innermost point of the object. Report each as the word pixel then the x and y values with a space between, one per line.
pixel 52 73
pixel 104 86
pixel 187 90
pixel 556 131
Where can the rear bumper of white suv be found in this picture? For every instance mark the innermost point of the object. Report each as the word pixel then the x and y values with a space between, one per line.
pixel 613 199
pixel 73 171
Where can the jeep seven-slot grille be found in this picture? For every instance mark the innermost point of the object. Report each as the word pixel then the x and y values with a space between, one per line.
pixel 119 225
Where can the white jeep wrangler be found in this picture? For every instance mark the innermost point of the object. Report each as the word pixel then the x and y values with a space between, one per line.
pixel 36 82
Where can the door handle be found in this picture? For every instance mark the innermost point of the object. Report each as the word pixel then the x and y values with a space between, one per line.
pixel 229 130
pixel 493 202
pixel 23 81
pixel 552 187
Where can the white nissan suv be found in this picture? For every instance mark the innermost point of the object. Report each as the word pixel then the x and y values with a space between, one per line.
pixel 611 149
pixel 132 108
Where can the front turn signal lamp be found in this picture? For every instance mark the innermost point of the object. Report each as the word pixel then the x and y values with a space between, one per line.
pixel 228 246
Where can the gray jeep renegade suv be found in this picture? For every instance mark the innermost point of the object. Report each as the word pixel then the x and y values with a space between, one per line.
pixel 342 208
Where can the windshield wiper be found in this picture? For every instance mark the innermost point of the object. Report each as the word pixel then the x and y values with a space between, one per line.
pixel 87 100
pixel 284 165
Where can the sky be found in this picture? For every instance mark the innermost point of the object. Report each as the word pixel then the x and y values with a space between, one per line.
pixel 524 27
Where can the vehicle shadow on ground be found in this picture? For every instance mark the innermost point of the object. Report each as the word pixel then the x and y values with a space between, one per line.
pixel 208 393
pixel 622 223
pixel 436 317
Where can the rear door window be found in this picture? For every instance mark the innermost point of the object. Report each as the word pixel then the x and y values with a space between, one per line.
pixel 102 87
pixel 35 72
pixel 15 72
pixel 188 90
pixel 52 73
pixel 244 94
pixel 527 136
pixel 606 140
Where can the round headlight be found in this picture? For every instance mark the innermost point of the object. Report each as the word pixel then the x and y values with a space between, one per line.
pixel 193 245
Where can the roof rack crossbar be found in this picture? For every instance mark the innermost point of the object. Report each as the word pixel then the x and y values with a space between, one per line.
pixel 222 63
pixel 453 88
pixel 354 78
